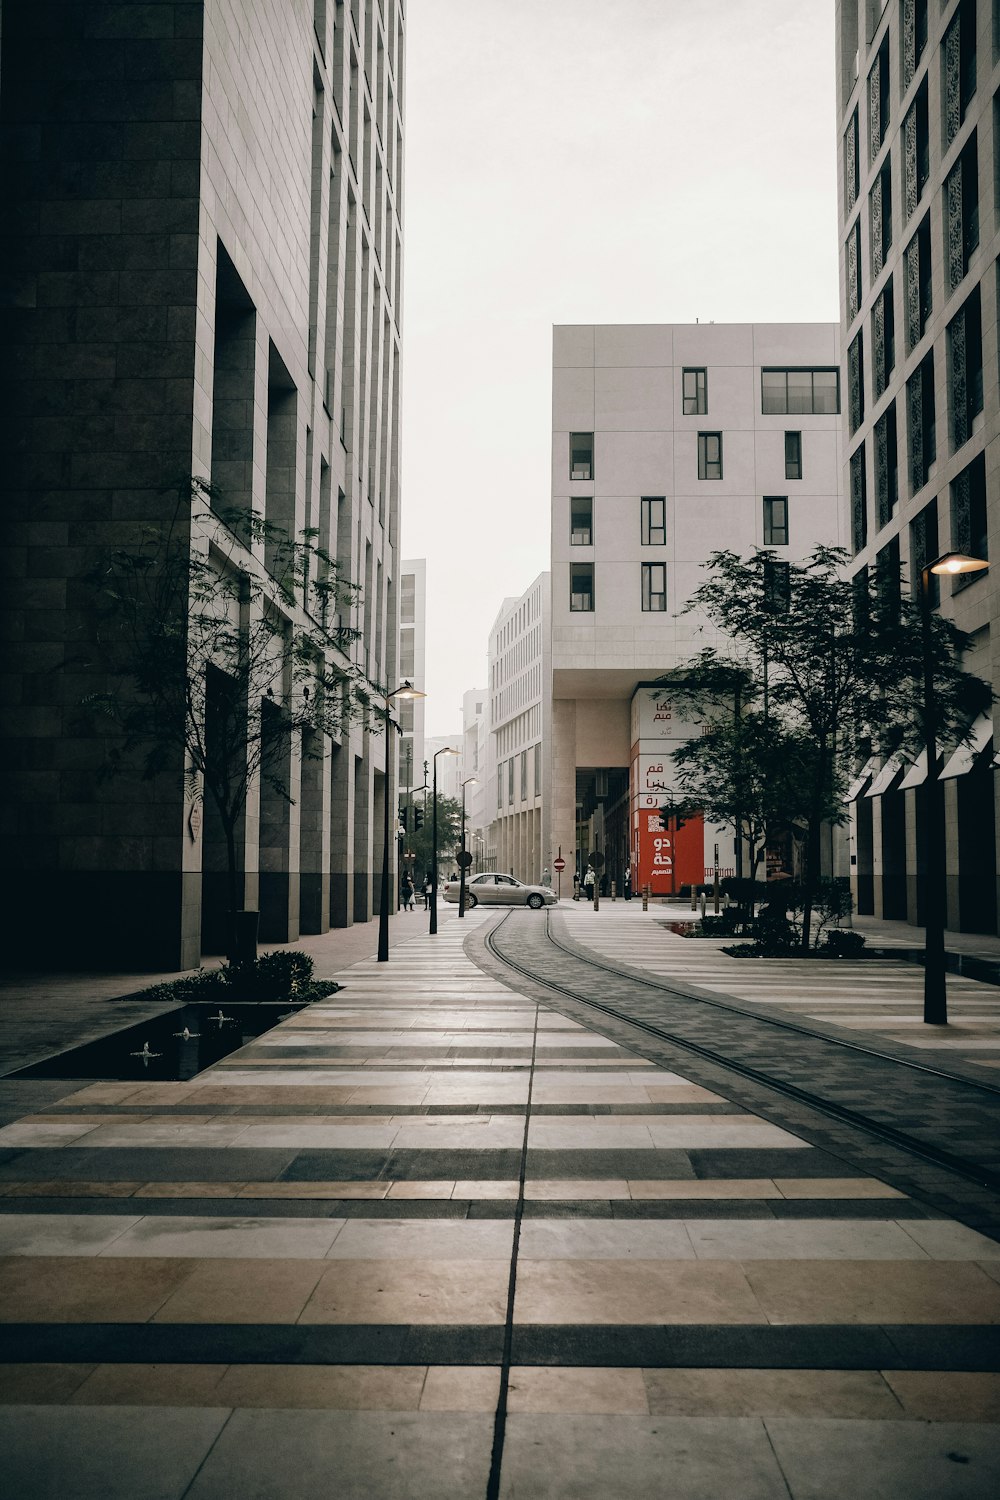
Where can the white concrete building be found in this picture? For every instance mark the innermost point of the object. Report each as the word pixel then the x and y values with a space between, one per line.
pixel 918 92
pixel 449 767
pixel 412 668
pixel 518 728
pixel 474 764
pixel 669 442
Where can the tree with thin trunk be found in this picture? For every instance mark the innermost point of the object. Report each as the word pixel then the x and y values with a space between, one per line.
pixel 222 645
pixel 832 670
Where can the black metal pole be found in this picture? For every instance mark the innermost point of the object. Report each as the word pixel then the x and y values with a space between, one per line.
pixel 935 887
pixel 461 873
pixel 383 909
pixel 434 851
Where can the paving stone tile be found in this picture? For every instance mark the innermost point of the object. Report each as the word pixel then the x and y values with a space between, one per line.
pixel 77 1452
pixel 243 1291
pixel 613 1239
pixel 151 1385
pixel 337 1388
pixel 408 1239
pixel 61 1234
pixel 626 1291
pixel 603 1390
pixel 808 1239
pixel 947 1396
pixel 873 1291
pixel 33 1384
pixel 409 1291
pixel 943 1239
pixel 762 1393
pixel 932 1461
pixel 460 1388
pixel 711 1188
pixel 37 1289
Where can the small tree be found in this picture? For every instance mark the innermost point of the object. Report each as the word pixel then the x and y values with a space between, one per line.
pixel 220 641
pixel 833 668
pixel 418 841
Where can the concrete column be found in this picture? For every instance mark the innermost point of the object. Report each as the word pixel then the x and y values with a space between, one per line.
pixel 342 791
pixel 314 836
pixel 562 793
pixel 363 797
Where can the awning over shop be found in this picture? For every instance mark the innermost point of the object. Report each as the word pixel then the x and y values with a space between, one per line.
pixel 862 779
pixel 967 754
pixel 893 767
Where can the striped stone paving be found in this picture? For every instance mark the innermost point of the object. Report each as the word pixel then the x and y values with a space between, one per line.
pixel 292 1275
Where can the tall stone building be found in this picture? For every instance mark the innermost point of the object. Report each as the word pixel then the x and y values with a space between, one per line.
pixel 203 253
pixel 918 89
pixel 518 708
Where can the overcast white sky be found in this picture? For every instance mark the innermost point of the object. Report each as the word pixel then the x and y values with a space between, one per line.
pixel 583 161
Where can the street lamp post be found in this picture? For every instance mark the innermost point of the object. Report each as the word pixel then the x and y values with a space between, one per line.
pixel 469 781
pixel 935 887
pixel 445 750
pixel 405 690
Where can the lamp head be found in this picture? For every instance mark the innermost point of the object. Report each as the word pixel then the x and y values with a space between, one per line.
pixel 958 562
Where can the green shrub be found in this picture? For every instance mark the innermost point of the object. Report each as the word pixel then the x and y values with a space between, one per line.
pixel 282 975
pixel 841 943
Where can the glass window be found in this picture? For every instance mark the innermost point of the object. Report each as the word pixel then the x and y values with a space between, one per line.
pixel 581 520
pixel 581 587
pixel 695 384
pixel 654 586
pixel 581 455
pixel 710 455
pixel 800 391
pixel 524 775
pixel 653 522
pixel 793 455
pixel 775 520
pixel 538 769
pixel 510 781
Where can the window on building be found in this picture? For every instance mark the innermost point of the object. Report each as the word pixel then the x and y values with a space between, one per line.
pixel 961 212
pixel 880 217
pixel 887 580
pixel 538 768
pixel 883 339
pixel 775 520
pixel 921 422
pixel 710 455
pixel 917 266
pixel 524 775
pixel 852 164
pixel 913 38
pixel 581 520
pixel 786 392
pixel 653 520
pixel 965 361
pixel 581 587
pixel 916 152
pixel 856 383
pixel 878 99
pixel 968 519
pixel 852 269
pixel 695 392
pixel 406 653
pixel 581 455
pixel 886 465
pixel 859 499
pixel 407 597
pixel 654 587
pixel 406 715
pixel 793 455
pixel 958 68
pixel 924 548
pixel 500 784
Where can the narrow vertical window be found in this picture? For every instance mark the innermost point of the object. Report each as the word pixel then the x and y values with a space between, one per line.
pixel 581 455
pixel 581 521
pixel 710 455
pixel 654 587
pixel 793 455
pixel 883 339
pixel 856 383
pixel 924 548
pixel 695 383
pixel 886 466
pixel 853 270
pixel 880 217
pixel 859 499
pixel 921 423
pixel 581 588
pixel 653 520
pixel 968 519
pixel 775 520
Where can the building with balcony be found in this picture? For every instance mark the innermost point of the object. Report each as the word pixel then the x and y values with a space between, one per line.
pixel 203 235
pixel 918 90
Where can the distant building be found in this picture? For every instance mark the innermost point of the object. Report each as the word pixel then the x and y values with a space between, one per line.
pixel 475 734
pixel 412 668
pixel 919 201
pixel 449 767
pixel 202 221
pixel 669 442
pixel 517 837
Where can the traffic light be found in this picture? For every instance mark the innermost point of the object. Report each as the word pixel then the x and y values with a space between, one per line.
pixel 404 813
pixel 669 817
pixel 418 818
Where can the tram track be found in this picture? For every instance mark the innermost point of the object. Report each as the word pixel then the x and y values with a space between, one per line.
pixel 896 1081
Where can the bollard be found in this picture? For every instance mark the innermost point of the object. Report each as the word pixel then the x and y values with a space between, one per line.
pixel 645 898
pixel 694 896
pixel 597 895
pixel 703 906
pixel 613 895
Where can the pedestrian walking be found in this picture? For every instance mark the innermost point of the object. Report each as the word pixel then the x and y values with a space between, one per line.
pixel 576 885
pixel 588 883
pixel 406 890
pixel 428 888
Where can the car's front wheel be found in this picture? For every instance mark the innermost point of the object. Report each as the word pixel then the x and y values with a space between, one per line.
pixel 470 901
pixel 535 901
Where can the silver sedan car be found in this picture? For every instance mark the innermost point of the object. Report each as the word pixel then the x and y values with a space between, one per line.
pixel 500 890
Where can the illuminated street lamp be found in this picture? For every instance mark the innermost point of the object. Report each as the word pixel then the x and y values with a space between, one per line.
pixel 406 690
pixel 935 891
pixel 469 781
pixel 445 750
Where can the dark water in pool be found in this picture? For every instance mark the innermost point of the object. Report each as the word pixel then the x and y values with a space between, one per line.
pixel 171 1048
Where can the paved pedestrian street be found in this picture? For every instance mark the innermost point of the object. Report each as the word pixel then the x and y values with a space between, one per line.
pixel 321 1267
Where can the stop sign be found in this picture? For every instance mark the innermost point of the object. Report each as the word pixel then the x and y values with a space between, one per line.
pixel 559 864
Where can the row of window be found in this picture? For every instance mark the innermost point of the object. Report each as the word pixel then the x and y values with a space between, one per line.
pixel 506 775
pixel 653 520
pixel 709 460
pixel 653 575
